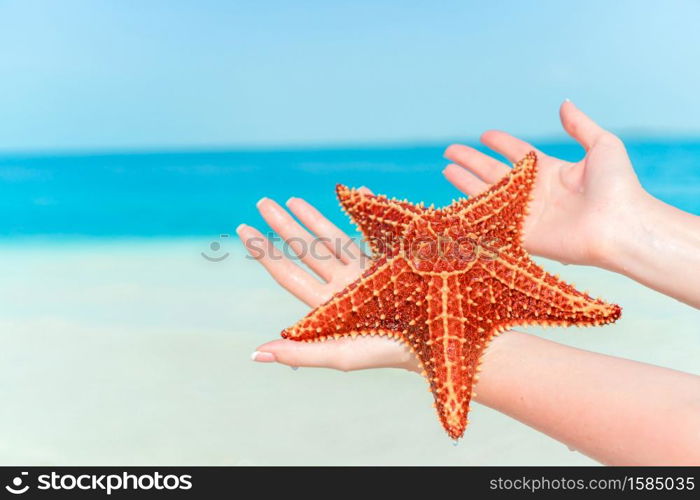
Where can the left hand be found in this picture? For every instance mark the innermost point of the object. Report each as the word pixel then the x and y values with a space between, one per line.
pixel 318 248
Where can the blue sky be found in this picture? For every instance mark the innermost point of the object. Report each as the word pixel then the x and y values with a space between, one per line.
pixel 129 74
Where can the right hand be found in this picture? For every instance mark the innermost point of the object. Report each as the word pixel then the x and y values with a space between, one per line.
pixel 579 210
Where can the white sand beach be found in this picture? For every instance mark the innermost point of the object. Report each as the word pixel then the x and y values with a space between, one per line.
pixel 137 352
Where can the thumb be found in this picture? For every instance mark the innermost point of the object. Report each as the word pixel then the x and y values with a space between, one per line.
pixel 579 126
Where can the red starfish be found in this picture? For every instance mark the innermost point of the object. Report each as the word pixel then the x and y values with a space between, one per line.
pixel 446 282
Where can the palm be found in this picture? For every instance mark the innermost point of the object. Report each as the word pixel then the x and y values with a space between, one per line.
pixel 329 272
pixel 573 206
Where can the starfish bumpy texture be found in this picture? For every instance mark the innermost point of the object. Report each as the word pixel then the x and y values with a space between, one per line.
pixel 446 281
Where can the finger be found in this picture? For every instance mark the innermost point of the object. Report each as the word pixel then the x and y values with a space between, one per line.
pixel 344 354
pixel 511 147
pixel 293 278
pixel 488 169
pixel 579 126
pixel 464 180
pixel 337 242
pixel 312 251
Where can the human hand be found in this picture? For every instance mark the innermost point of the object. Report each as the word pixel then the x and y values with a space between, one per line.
pixel 337 261
pixel 579 211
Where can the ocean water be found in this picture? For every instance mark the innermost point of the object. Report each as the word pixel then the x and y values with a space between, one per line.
pixel 181 194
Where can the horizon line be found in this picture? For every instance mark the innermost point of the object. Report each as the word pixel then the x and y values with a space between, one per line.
pixel 629 136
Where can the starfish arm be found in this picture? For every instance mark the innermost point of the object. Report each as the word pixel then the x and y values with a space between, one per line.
pixel 522 293
pixel 452 350
pixel 381 220
pixel 501 210
pixel 381 302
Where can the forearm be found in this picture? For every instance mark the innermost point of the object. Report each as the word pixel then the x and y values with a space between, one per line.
pixel 614 410
pixel 659 247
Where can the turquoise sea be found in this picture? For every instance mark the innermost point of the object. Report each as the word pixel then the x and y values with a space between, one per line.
pixel 174 194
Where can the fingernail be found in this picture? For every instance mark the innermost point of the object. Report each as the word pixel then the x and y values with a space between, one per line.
pixel 566 99
pixel 263 357
pixel 240 228
pixel 261 200
pixel 290 200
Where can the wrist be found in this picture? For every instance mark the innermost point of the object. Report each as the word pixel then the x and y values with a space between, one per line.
pixel 498 355
pixel 659 248
pixel 625 235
